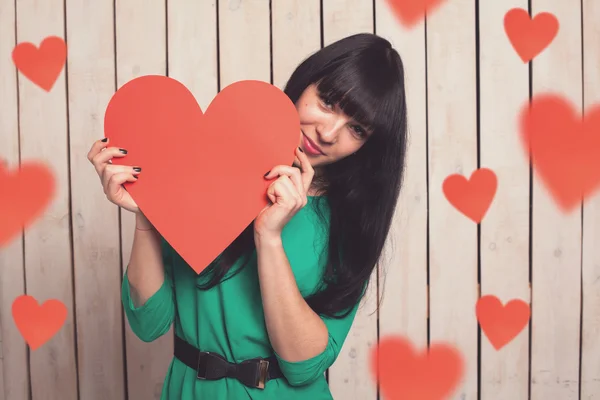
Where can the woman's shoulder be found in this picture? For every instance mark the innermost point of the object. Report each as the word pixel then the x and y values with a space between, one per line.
pixel 310 224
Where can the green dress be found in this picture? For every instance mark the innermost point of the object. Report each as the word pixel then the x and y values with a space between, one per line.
pixel 229 319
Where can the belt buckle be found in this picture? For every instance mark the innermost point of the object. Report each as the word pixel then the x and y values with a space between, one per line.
pixel 263 368
pixel 202 367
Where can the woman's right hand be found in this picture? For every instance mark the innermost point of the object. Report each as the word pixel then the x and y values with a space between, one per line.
pixel 112 176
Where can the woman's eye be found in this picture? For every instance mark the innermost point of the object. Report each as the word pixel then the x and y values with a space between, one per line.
pixel 327 103
pixel 359 130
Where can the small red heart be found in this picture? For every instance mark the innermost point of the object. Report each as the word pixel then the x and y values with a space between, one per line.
pixel 529 36
pixel 202 181
pixel 501 324
pixel 472 197
pixel 411 12
pixel 565 148
pixel 38 324
pixel 404 374
pixel 26 192
pixel 42 66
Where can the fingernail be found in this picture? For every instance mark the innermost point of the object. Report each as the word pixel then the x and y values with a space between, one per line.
pixel 300 149
pixel 104 140
pixel 123 151
pixel 267 173
pixel 137 169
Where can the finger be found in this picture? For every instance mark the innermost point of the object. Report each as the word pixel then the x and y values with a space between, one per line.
pixel 293 173
pixel 111 170
pixel 288 192
pixel 115 182
pixel 103 157
pixel 306 168
pixel 97 148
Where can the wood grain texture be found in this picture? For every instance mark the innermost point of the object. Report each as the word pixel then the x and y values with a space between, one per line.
pixel 452 148
pixel 556 236
pixel 296 32
pixel 14 371
pixel 244 41
pixel 48 243
pixel 590 340
pixel 504 89
pixel 96 255
pixel 192 47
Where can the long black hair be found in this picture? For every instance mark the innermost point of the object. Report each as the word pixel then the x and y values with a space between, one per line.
pixel 364 76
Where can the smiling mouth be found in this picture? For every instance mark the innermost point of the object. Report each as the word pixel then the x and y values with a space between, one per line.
pixel 311 147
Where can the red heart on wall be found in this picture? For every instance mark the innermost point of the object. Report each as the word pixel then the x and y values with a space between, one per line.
pixel 411 12
pixel 41 66
pixel 38 324
pixel 565 148
pixel 529 36
pixel 25 193
pixel 471 197
pixel 202 181
pixel 405 374
pixel 501 324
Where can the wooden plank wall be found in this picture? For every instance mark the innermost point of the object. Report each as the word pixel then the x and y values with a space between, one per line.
pixel 465 85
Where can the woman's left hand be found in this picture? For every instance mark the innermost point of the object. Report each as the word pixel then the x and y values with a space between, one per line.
pixel 287 195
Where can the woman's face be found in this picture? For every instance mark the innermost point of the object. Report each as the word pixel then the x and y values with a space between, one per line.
pixel 327 134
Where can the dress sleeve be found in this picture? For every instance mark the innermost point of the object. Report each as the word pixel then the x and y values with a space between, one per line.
pixel 306 371
pixel 153 318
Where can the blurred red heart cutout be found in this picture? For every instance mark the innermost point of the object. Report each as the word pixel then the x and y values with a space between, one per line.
pixel 564 147
pixel 42 65
pixel 501 324
pixel 38 323
pixel 530 36
pixel 202 181
pixel 26 193
pixel 411 12
pixel 405 374
pixel 471 197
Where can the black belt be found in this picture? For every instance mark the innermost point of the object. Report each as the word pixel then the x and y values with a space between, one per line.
pixel 253 373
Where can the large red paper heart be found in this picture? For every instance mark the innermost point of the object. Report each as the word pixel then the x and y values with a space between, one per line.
pixel 405 374
pixel 42 66
pixel 202 181
pixel 471 197
pixel 529 36
pixel 25 193
pixel 565 148
pixel 38 323
pixel 501 324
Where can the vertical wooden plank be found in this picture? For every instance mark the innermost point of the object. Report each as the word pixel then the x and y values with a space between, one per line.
pixel 14 373
pixel 452 112
pixel 91 76
pixel 590 346
pixel 296 35
pixel 556 236
pixel 192 46
pixel 141 50
pixel 504 89
pixel 244 41
pixel 403 281
pixel 48 269
pixel 349 376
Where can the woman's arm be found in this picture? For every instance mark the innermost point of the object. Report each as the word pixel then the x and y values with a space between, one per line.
pixel 296 332
pixel 145 271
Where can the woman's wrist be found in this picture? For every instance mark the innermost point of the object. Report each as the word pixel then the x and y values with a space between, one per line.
pixel 142 223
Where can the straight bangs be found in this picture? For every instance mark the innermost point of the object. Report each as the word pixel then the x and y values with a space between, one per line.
pixel 364 90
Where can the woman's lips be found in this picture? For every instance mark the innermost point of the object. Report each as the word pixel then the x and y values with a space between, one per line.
pixel 310 148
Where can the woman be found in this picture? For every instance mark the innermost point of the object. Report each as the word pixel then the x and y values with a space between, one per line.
pixel 270 314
